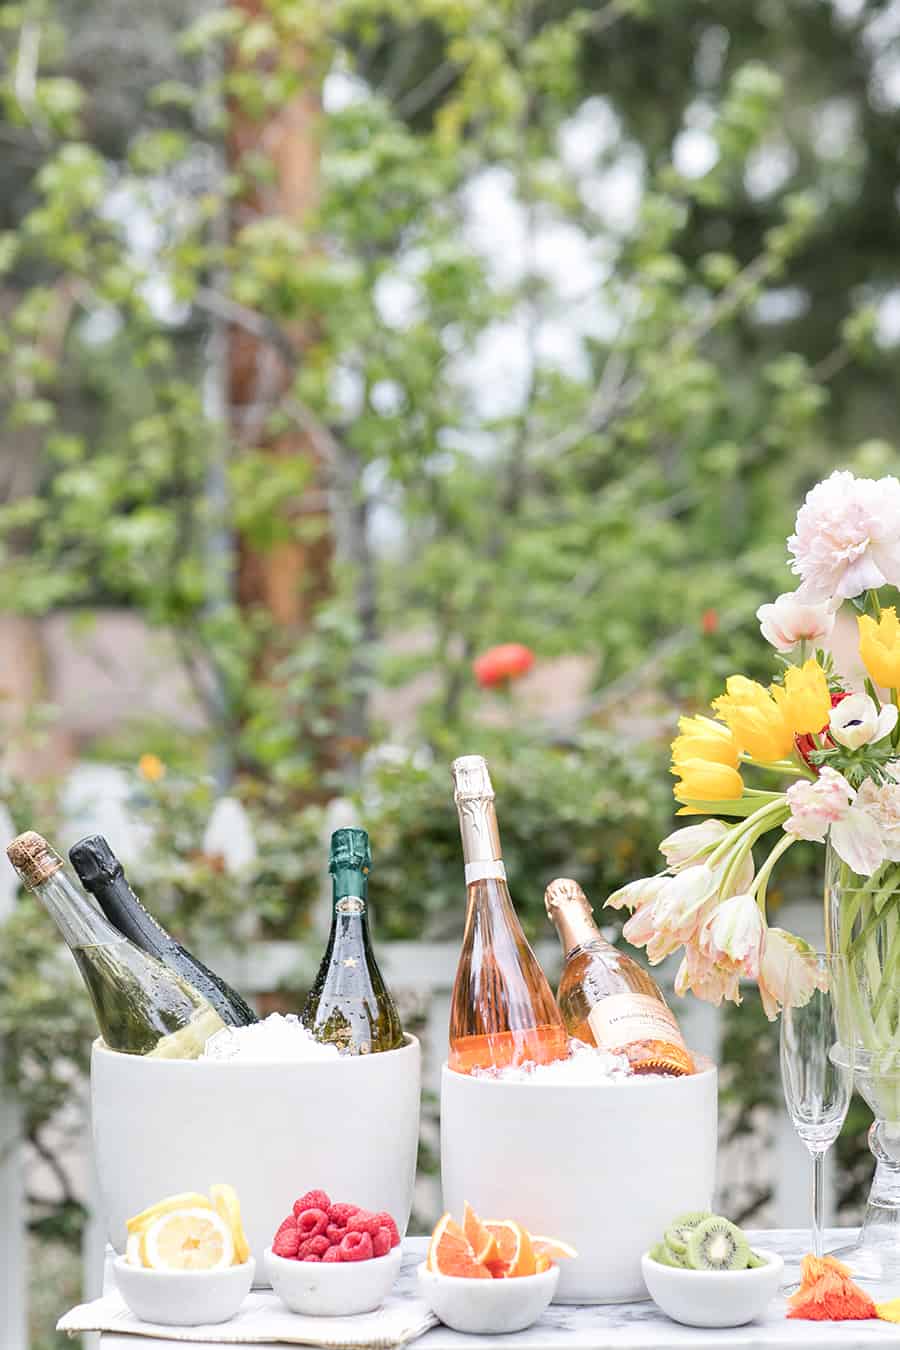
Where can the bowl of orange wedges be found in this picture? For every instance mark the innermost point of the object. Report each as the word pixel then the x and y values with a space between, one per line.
pixel 489 1276
pixel 187 1262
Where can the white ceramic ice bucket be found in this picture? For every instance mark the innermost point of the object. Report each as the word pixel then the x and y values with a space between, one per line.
pixel 605 1167
pixel 273 1131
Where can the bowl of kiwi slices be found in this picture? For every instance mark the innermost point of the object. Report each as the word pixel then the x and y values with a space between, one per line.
pixel 704 1272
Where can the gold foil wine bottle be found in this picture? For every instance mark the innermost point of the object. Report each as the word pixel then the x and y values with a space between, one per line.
pixel 502 1011
pixel 605 997
pixel 350 1005
pixel 142 1007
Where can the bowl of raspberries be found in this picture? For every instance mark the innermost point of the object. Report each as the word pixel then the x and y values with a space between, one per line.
pixel 330 1259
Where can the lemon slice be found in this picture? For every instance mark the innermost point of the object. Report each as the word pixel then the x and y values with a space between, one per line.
pixel 187 1200
pixel 188 1239
pixel 133 1250
pixel 227 1205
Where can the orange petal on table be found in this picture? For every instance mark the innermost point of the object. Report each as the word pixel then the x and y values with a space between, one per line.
pixel 515 1254
pixel 450 1252
pixel 481 1239
pixel 828 1294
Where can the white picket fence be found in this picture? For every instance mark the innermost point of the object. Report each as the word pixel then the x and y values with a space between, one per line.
pixel 423 969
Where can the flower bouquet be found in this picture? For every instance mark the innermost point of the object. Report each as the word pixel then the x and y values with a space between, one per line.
pixel 813 756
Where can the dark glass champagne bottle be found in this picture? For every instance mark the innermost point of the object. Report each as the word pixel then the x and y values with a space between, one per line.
pixel 142 1007
pixel 100 872
pixel 349 1005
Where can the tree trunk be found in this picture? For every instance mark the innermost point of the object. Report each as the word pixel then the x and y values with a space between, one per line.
pixel 285 579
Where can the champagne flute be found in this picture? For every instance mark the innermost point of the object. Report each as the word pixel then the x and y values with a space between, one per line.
pixel 817 1053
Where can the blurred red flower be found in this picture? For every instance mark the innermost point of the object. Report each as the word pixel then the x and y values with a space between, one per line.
pixel 498 664
pixel 710 621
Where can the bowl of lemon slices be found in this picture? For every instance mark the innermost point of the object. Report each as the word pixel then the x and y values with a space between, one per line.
pixel 187 1262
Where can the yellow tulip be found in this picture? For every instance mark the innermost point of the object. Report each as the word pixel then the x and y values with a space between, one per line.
pixel 702 738
pixel 757 722
pixel 879 647
pixel 804 698
pixel 704 780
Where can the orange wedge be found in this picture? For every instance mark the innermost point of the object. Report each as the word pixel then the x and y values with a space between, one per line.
pixel 481 1240
pixel 515 1254
pixel 541 1263
pixel 450 1252
pixel 553 1248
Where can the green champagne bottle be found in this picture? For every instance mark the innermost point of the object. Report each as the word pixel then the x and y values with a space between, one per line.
pixel 349 1005
pixel 142 1007
pixel 100 872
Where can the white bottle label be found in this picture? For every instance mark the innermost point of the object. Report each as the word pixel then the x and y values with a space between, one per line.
pixel 623 1019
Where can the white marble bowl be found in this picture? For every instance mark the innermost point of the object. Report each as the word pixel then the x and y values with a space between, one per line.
pixel 713 1298
pixel 488 1307
pixel 183 1298
pixel 601 1166
pixel 349 1126
pixel 341 1289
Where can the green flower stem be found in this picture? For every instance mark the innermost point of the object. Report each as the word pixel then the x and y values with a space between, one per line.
pixel 746 836
pixel 779 766
pixel 873 956
pixel 873 600
pixel 762 879
pixel 737 806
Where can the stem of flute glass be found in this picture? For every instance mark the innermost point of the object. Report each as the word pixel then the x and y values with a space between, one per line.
pixel 818 1201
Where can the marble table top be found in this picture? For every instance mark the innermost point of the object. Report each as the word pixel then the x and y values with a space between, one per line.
pixel 627 1326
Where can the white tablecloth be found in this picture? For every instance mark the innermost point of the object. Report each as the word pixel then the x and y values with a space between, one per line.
pixel 627 1326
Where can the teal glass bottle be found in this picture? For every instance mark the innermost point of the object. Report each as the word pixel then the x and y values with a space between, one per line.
pixel 350 1005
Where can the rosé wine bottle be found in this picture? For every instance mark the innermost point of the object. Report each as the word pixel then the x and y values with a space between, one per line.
pixel 502 1011
pixel 606 998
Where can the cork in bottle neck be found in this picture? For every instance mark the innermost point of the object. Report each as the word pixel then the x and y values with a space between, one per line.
pixel 474 797
pixel 571 914
pixel 33 858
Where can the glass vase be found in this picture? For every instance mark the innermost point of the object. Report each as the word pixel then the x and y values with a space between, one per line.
pixel 863 924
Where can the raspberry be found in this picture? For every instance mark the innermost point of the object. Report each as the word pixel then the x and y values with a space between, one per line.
pixel 310 1258
pixel 381 1242
pixel 311 1222
pixel 356 1247
pixel 286 1225
pixel 363 1222
pixel 333 1254
pixel 312 1200
pixel 314 1246
pixel 341 1213
pixel 385 1221
pixel 336 1232
pixel 286 1243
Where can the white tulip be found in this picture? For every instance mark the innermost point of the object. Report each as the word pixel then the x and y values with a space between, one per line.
pixel 857 720
pixel 789 621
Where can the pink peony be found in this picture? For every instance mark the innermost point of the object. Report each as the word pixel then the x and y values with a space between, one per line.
pixel 847 537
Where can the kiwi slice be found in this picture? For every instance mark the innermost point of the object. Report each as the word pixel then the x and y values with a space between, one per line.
pixel 754 1261
pixel 673 1258
pixel 716 1244
pixel 680 1229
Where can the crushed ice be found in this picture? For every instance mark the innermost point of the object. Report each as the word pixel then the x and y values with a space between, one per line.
pixel 276 1039
pixel 586 1064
